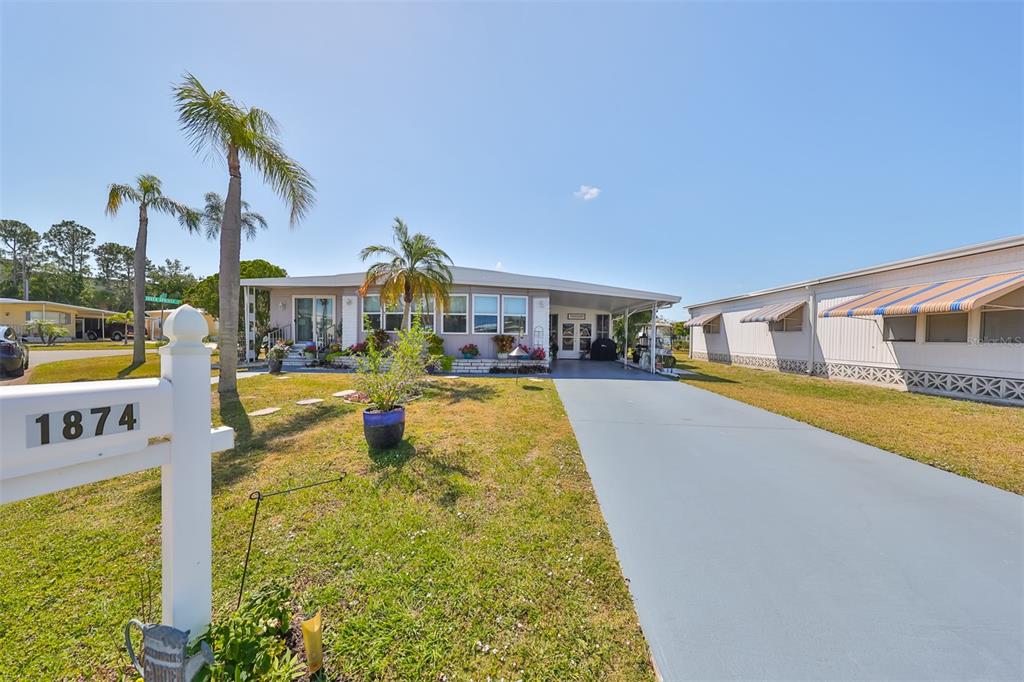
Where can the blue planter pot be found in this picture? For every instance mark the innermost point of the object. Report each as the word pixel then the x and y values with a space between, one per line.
pixel 383 430
pixel 468 356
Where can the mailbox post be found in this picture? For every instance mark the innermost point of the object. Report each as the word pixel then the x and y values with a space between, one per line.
pixel 57 436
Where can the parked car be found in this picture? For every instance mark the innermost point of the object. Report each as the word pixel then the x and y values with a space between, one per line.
pixel 13 352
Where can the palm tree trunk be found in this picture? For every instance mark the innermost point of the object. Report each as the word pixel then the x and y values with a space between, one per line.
pixel 230 255
pixel 24 281
pixel 139 294
pixel 408 307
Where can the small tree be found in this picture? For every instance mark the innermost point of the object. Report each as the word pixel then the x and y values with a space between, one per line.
pixel 48 332
pixel 127 318
pixel 391 375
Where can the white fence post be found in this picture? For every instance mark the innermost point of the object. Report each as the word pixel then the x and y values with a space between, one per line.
pixel 185 478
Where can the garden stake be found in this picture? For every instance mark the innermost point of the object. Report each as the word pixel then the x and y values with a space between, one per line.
pixel 259 497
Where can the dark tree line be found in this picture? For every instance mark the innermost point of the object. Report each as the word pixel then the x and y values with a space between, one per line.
pixel 64 264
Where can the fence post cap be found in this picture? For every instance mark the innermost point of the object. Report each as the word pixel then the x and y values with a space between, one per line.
pixel 186 327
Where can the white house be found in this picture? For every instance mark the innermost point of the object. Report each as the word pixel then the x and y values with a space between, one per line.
pixel 949 323
pixel 537 311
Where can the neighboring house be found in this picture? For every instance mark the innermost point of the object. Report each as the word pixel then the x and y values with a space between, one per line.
pixel 950 323
pixel 155 322
pixel 537 311
pixel 81 322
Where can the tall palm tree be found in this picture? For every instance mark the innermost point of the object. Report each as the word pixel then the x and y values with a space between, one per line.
pixel 146 192
pixel 213 216
pixel 214 121
pixel 416 267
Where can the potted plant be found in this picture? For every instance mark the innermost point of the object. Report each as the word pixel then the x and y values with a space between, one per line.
pixel 389 377
pixel 469 351
pixel 504 343
pixel 275 356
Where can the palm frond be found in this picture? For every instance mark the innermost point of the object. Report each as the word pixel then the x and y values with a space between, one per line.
pixel 289 179
pixel 379 250
pixel 252 222
pixel 207 118
pixel 117 195
pixel 189 217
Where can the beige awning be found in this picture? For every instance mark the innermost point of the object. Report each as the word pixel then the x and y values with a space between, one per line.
pixel 702 320
pixel 773 312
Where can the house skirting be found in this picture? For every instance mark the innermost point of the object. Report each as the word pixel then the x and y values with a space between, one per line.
pixel 1003 390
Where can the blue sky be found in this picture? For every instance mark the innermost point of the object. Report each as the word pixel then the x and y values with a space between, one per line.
pixel 735 146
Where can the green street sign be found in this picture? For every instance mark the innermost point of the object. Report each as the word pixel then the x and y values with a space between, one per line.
pixel 162 299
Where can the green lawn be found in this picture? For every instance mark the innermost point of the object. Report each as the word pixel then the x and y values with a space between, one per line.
pixel 89 345
pixel 977 440
pixel 97 369
pixel 481 530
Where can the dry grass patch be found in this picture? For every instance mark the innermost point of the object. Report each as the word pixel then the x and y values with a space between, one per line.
pixel 977 440
pixel 474 549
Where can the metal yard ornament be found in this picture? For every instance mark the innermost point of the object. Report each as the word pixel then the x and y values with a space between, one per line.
pixel 164 656
pixel 518 354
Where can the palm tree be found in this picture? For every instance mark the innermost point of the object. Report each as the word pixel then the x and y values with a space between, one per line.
pixel 214 121
pixel 213 216
pixel 415 268
pixel 146 192
pixel 127 318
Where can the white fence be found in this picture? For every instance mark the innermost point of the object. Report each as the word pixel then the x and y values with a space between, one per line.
pixel 57 436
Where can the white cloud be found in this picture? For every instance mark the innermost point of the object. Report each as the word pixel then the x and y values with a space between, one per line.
pixel 499 266
pixel 586 192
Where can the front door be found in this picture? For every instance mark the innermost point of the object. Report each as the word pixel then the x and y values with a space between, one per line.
pixel 567 348
pixel 303 306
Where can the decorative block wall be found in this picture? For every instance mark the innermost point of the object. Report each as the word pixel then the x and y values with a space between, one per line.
pixel 983 388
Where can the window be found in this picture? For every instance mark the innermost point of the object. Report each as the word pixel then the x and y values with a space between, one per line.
pixel 902 328
pixel 49 316
pixel 712 327
pixel 1002 326
pixel 371 313
pixel 568 336
pixel 485 314
pixel 603 326
pixel 949 328
pixel 424 311
pixel 793 323
pixel 585 335
pixel 513 315
pixel 394 316
pixel 455 318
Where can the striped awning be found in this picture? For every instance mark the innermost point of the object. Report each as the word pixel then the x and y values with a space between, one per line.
pixel 702 320
pixel 773 312
pixel 934 297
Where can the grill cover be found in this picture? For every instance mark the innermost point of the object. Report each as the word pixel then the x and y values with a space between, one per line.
pixel 602 349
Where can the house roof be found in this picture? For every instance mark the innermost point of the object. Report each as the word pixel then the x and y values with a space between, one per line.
pixel 959 252
pixel 64 305
pixel 572 292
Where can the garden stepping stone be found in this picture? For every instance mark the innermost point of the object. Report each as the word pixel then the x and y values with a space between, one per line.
pixel 309 401
pixel 343 394
pixel 451 376
pixel 535 379
pixel 264 411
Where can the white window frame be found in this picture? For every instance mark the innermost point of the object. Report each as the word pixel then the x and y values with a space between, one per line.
pixel 444 312
pixel 497 313
pixel 363 314
pixel 886 320
pixel 428 302
pixel 525 314
pixel 384 317
pixel 314 297
pixel 712 327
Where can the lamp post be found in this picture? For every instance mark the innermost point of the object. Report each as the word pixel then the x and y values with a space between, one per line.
pixel 518 354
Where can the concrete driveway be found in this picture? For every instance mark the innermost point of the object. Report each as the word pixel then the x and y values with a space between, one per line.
pixel 758 547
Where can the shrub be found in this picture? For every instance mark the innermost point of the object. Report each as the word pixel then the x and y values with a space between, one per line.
pixel 278 352
pixel 435 345
pixel 390 375
pixel 446 363
pixel 249 644
pixel 355 349
pixel 470 349
pixel 538 353
pixel 334 348
pixel 504 342
pixel 381 338
pixel 48 332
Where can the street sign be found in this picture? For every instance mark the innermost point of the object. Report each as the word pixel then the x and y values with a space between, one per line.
pixel 163 299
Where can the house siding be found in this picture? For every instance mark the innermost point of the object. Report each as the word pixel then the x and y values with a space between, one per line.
pixel 854 348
